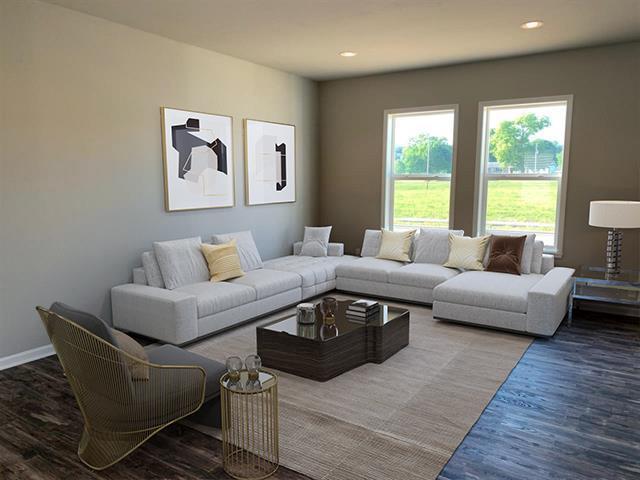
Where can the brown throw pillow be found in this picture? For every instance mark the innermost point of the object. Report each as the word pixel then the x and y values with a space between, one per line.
pixel 138 371
pixel 506 254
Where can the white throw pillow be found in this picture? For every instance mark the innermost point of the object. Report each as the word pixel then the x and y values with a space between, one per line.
pixel 432 245
pixel 371 243
pixel 536 260
pixel 315 242
pixel 466 253
pixel 247 251
pixel 181 262
pixel 527 252
pixel 396 245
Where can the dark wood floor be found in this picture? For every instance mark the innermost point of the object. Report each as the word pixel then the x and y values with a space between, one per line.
pixel 569 410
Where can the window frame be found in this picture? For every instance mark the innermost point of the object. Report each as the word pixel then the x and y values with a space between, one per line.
pixel 388 176
pixel 482 179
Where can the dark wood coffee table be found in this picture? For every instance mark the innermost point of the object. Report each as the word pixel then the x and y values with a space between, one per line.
pixel 320 353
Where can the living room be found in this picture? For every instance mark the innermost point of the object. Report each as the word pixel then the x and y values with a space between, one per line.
pixel 204 197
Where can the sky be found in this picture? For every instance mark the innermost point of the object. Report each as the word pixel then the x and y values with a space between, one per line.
pixel 440 124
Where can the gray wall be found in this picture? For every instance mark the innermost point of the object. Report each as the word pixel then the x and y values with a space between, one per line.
pixel 81 192
pixel 605 140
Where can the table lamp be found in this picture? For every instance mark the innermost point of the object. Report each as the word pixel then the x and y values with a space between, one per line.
pixel 614 215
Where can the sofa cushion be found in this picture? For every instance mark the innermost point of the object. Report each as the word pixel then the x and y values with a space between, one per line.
pixel 424 275
pixel 181 262
pixel 316 241
pixel 371 243
pixel 311 270
pixel 368 268
pixel 506 254
pixel 466 253
pixel 152 270
pixel 172 355
pixel 223 261
pixel 536 259
pixel 214 297
pixel 267 282
pixel 432 245
pixel 396 245
pixel 249 256
pixel 499 291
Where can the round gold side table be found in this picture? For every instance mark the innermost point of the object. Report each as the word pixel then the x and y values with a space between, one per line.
pixel 250 442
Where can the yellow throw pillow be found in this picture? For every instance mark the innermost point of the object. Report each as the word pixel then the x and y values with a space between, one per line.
pixel 223 261
pixel 396 245
pixel 467 253
pixel 137 370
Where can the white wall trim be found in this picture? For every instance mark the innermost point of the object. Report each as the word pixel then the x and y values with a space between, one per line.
pixel 26 356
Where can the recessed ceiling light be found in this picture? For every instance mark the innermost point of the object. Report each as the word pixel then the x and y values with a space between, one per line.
pixel 532 25
pixel 348 54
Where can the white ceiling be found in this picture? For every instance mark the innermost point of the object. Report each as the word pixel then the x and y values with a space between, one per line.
pixel 305 36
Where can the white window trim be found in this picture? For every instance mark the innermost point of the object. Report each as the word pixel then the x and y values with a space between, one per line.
pixel 386 214
pixel 480 197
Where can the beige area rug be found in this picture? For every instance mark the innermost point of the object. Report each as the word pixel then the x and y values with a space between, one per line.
pixel 402 419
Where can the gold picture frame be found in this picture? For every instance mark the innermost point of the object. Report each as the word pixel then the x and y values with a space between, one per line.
pixel 231 197
pixel 247 152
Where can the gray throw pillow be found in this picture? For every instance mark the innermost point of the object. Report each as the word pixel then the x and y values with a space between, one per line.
pixel 371 243
pixel 152 270
pixel 85 320
pixel 527 252
pixel 247 251
pixel 432 245
pixel 181 262
pixel 315 242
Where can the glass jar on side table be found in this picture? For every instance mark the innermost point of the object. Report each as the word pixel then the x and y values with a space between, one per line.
pixel 597 285
pixel 250 433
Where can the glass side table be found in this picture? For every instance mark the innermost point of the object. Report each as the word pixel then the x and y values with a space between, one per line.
pixel 250 442
pixel 596 284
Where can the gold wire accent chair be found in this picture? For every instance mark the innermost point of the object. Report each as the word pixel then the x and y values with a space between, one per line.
pixel 120 413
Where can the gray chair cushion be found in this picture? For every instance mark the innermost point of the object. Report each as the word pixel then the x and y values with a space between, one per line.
pixel 368 268
pixel 181 262
pixel 215 297
pixel 432 245
pixel 316 241
pixel 498 291
pixel 267 282
pixel 422 275
pixel 152 270
pixel 85 320
pixel 247 250
pixel 371 243
pixel 172 355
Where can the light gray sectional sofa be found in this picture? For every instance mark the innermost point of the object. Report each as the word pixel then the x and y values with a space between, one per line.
pixel 534 302
pixel 179 304
pixel 172 299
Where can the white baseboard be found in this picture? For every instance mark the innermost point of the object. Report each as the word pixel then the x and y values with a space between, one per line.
pixel 26 357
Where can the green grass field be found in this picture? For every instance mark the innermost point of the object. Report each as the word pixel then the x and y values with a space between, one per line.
pixel 512 201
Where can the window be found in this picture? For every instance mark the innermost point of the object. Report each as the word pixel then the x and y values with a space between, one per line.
pixel 524 149
pixel 418 167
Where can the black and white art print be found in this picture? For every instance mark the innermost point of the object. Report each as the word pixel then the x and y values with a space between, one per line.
pixel 270 161
pixel 198 160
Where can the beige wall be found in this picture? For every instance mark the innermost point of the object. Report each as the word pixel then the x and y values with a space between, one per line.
pixel 605 140
pixel 81 187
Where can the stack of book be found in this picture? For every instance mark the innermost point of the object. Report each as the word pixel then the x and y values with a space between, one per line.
pixel 362 310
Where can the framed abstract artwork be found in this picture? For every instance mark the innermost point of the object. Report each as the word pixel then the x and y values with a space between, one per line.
pixel 197 149
pixel 270 162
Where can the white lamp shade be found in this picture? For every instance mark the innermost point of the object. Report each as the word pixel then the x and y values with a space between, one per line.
pixel 614 214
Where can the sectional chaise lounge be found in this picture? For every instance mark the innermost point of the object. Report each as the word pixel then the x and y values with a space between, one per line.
pixel 172 300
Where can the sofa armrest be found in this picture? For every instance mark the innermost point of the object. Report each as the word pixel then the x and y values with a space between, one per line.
pixel 548 301
pixel 548 262
pixel 334 250
pixel 158 313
